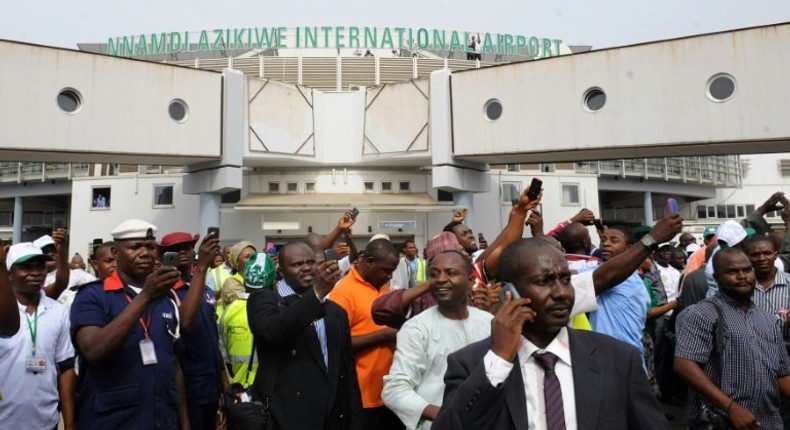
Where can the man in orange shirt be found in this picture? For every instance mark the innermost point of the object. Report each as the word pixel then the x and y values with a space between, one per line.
pixel 373 344
pixel 697 259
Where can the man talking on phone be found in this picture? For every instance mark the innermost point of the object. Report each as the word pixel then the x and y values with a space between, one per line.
pixel 535 372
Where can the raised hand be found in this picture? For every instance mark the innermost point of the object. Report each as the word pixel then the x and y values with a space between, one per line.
pixel 666 228
pixel 159 283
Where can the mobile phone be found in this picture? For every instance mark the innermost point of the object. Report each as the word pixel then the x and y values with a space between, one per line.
pixel 480 237
pixel 354 213
pixel 672 206
pixel 330 255
pixel 57 223
pixel 170 259
pixel 214 230
pixel 507 286
pixel 534 188
pixel 598 224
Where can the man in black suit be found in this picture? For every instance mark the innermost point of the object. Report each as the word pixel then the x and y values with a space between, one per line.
pixel 305 341
pixel 534 372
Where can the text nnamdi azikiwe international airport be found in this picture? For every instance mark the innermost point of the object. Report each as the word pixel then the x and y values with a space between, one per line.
pixel 328 37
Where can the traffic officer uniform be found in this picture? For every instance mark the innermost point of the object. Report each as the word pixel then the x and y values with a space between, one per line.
pixel 121 392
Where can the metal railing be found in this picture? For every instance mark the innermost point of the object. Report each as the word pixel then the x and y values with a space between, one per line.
pixel 335 73
pixel 12 171
pixel 715 170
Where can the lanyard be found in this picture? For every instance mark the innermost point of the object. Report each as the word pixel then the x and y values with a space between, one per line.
pixel 143 324
pixel 33 329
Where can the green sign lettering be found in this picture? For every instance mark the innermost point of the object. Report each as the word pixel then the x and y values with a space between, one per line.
pixel 337 37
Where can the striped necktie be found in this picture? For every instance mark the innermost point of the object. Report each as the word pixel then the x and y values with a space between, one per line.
pixel 552 393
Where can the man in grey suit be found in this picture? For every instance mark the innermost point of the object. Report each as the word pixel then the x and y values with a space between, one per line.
pixel 534 372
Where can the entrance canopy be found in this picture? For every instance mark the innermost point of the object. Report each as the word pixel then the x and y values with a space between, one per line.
pixel 407 202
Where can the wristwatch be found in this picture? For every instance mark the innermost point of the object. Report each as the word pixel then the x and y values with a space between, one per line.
pixel 649 242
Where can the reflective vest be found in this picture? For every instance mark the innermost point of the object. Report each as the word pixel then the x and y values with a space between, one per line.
pixel 421 274
pixel 237 339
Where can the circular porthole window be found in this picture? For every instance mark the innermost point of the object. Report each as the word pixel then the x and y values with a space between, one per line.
pixel 594 99
pixel 721 87
pixel 178 110
pixel 69 100
pixel 493 109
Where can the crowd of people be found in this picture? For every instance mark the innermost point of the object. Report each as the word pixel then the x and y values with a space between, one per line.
pixel 548 332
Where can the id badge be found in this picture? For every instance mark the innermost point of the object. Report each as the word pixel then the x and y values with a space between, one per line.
pixel 35 364
pixel 147 352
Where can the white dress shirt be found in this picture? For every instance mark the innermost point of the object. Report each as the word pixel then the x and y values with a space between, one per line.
pixel 497 370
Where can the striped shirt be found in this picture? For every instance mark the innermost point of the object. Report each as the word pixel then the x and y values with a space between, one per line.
pixel 752 358
pixel 320 327
pixel 775 300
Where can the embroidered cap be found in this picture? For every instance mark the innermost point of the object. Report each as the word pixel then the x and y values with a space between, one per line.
pixel 22 252
pixel 444 241
pixel 43 241
pixel 259 271
pixel 134 229
pixel 709 231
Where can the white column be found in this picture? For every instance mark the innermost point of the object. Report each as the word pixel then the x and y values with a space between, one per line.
pixel 648 203
pixel 18 212
pixel 209 211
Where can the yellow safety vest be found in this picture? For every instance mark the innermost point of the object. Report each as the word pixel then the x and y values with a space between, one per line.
pixel 237 338
pixel 421 275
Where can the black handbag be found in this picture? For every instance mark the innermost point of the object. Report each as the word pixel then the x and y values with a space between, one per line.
pixel 711 419
pixel 251 414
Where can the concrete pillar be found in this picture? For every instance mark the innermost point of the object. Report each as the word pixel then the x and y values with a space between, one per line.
pixel 209 211
pixel 648 203
pixel 18 212
pixel 466 199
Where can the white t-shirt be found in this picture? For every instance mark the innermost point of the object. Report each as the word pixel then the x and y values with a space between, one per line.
pixel 30 400
pixel 670 277
pixel 584 289
pixel 77 277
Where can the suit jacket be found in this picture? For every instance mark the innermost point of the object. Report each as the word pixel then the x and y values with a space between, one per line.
pixel 306 394
pixel 611 389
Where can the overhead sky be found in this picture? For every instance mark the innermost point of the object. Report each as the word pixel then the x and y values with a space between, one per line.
pixel 603 23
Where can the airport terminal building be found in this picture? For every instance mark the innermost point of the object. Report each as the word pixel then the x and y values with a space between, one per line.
pixel 339 117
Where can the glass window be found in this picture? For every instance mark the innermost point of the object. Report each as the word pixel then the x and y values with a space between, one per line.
pixel 731 211
pixel 293 187
pixel 369 186
pixel 309 187
pixel 570 194
pixel 231 197
pixel 741 211
pixel 702 212
pixel 444 196
pixel 163 195
pixel 404 186
pixel 386 186
pixel 274 187
pixel 711 211
pixel 510 191
pixel 100 198
pixel 749 209
pixel 721 87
